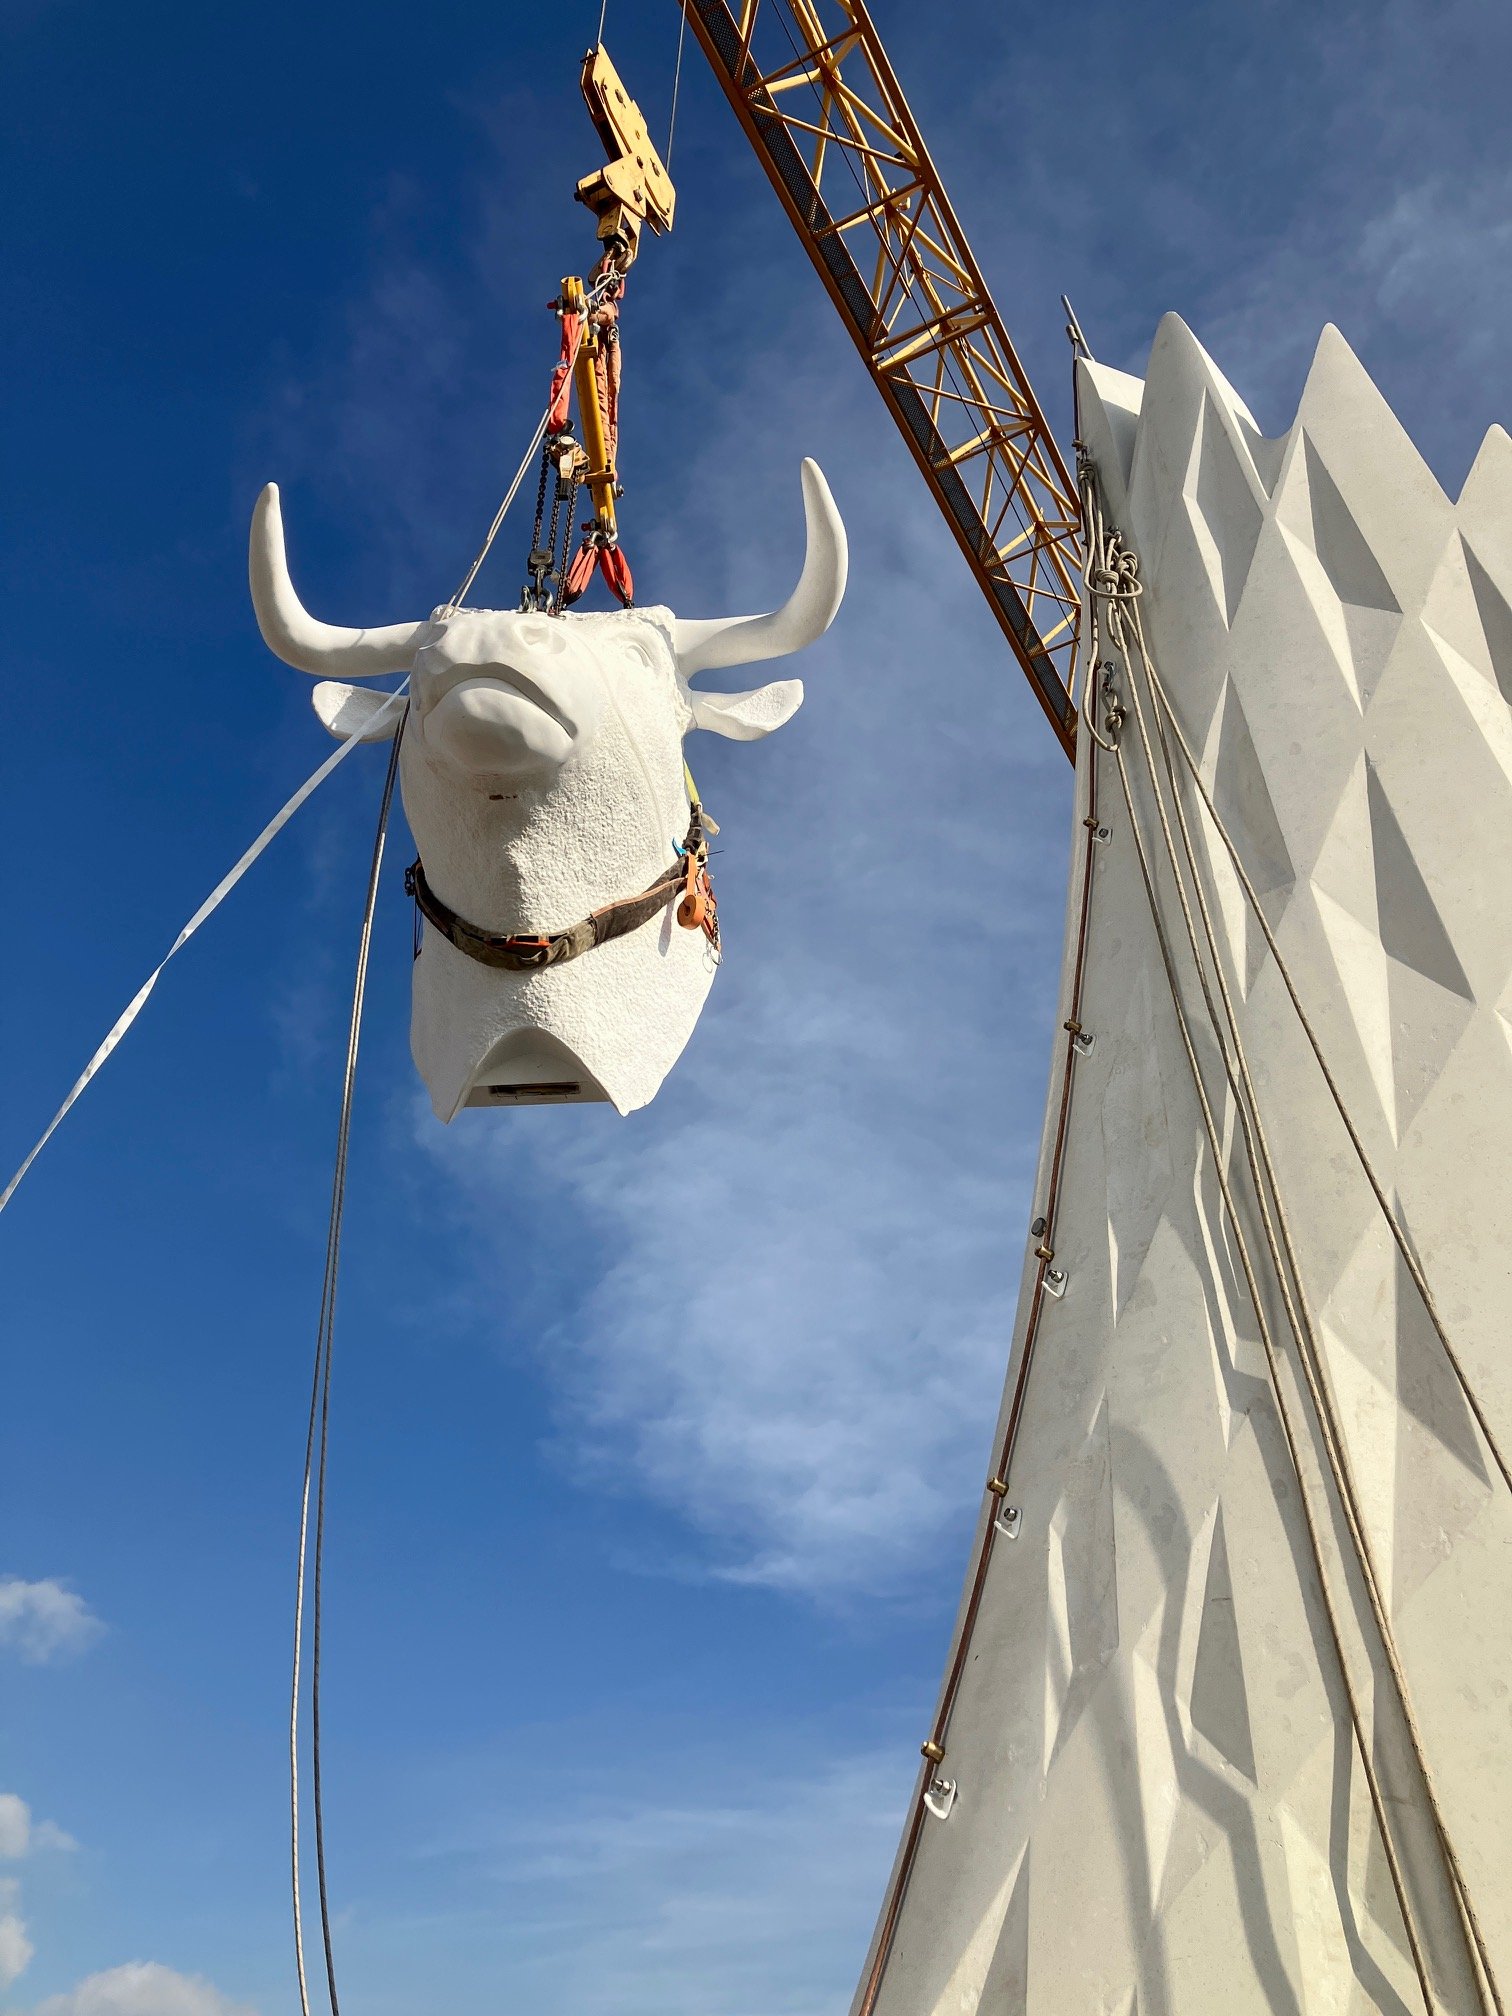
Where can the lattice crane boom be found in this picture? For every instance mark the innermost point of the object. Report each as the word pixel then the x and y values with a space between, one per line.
pixel 811 84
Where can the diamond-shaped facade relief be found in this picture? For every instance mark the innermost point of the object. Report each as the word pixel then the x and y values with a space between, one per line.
pixel 1218 1704
pixel 1330 544
pixel 1343 551
pixel 1137 1156
pixel 1006 1986
pixel 1496 620
pixel 1084 1577
pixel 1410 925
pixel 1224 509
pixel 1152 1712
pixel 1243 801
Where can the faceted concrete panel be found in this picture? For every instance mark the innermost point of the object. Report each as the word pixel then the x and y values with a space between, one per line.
pixel 1153 1716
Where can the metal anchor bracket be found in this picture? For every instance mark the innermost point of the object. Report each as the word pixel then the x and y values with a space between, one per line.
pixel 1009 1522
pixel 940 1797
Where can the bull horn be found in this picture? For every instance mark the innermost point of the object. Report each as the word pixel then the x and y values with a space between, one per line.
pixel 702 646
pixel 293 633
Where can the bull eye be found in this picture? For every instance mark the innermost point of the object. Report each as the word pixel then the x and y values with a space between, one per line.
pixel 638 652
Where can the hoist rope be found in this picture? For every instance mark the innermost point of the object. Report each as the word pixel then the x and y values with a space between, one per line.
pixel 211 903
pixel 682 29
pixel 1117 583
pixel 510 494
pixel 593 297
pixel 317 1443
pixel 316 1450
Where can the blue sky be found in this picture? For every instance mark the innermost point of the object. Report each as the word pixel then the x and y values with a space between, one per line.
pixel 657 1440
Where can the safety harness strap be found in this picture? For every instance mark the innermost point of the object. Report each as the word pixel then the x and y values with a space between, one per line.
pixel 519 952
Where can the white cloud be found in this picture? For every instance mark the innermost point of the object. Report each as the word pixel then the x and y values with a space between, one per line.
pixel 15 1827
pixel 142 1988
pixel 779 1303
pixel 43 1621
pixel 15 1948
pixel 784 1294
pixel 20 1836
pixel 697 1890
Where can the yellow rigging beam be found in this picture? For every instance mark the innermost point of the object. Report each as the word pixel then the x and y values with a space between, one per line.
pixel 810 82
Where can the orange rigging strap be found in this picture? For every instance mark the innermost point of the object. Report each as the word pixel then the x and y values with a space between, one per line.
pixel 632 189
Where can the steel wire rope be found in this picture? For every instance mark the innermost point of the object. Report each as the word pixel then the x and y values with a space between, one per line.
pixel 592 297
pixel 1275 1220
pixel 1108 588
pixel 682 29
pixel 1393 1222
pixel 471 575
pixel 1002 1469
pixel 320 1393
pixel 1267 1191
pixel 1257 1303
pixel 320 1405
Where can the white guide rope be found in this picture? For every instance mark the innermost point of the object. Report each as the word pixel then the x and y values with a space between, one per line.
pixel 509 496
pixel 317 1445
pixel 211 903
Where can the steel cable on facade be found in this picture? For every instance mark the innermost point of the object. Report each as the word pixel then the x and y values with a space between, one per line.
pixel 998 1483
pixel 1300 1317
pixel 1393 1222
pixel 1281 1250
pixel 1110 745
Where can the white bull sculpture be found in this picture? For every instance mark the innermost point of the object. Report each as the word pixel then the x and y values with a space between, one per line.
pixel 543 779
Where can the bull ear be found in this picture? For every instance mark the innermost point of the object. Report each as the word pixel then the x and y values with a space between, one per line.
pixel 347 711
pixel 746 717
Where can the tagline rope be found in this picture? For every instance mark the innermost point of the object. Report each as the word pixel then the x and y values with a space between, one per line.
pixel 211 904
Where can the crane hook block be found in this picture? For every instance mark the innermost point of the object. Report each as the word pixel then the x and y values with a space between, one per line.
pixel 634 187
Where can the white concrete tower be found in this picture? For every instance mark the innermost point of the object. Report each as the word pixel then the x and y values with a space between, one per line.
pixel 1227 1718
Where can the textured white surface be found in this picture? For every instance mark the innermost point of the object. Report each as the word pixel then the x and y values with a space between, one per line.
pixel 539 851
pixel 542 773
pixel 1160 1804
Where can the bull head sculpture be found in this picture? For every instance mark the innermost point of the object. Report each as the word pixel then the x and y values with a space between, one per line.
pixel 542 775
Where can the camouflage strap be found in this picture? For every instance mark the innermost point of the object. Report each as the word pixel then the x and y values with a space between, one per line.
pixel 519 952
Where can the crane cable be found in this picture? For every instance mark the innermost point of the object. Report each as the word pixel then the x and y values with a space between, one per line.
pixel 317 1437
pixel 1115 579
pixel 206 909
pixel 316 1448
pixel 682 29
